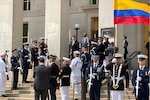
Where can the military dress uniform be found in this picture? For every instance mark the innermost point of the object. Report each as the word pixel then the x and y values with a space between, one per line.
pixel 14 68
pixel 25 64
pixel 76 65
pixel 117 72
pixel 94 76
pixel 65 81
pixel 34 55
pixel 140 80
pixel 53 80
pixel 43 49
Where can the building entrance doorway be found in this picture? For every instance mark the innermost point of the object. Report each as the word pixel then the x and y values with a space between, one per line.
pixel 94 28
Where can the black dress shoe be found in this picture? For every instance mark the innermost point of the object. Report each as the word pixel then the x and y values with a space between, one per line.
pixel 4 96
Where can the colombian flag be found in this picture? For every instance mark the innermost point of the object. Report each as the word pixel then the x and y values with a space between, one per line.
pixel 131 12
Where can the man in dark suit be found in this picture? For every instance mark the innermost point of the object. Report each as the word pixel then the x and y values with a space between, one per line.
pixel 42 78
pixel 53 78
pixel 100 48
pixel 73 46
pixel 125 47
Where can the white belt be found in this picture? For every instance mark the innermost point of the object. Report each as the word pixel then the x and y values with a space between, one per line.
pixel 120 78
pixel 65 76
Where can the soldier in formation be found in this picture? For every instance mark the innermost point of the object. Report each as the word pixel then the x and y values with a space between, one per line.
pixel 140 79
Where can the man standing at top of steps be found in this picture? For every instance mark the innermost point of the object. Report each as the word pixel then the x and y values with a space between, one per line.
pixel 42 78
pixel 3 75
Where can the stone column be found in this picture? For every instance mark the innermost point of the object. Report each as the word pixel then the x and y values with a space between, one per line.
pixel 11 15
pixel 57 26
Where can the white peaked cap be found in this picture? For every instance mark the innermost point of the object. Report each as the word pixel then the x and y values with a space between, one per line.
pixel 142 56
pixel 92 42
pixel 106 36
pixel 118 55
pixel 2 54
pixel 76 52
pixel 66 59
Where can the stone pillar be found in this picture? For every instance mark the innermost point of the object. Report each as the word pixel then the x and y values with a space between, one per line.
pixel 11 15
pixel 57 26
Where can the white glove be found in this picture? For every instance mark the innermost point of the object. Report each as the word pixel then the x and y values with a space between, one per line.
pixel 19 68
pixel 6 73
pixel 91 76
pixel 139 78
pixel 28 60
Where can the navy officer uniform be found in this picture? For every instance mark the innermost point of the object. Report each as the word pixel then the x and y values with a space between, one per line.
pixel 53 78
pixel 14 68
pixel 25 61
pixel 94 76
pixel 141 90
pixel 117 72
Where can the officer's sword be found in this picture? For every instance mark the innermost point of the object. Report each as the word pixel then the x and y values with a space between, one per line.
pixel 90 81
pixel 137 84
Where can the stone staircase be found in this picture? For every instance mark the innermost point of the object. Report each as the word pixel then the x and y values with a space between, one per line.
pixel 25 91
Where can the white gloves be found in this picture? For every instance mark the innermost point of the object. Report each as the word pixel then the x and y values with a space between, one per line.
pixel 139 78
pixel 6 73
pixel 114 60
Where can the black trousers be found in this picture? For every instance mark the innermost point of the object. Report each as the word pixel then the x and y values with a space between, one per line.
pixel 25 74
pixel 40 94
pixel 15 78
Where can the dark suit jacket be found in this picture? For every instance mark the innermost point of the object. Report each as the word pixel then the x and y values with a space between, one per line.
pixel 74 47
pixel 42 77
pixel 54 74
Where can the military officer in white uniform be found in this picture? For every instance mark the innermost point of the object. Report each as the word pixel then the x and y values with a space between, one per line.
pixel 76 65
pixel 3 76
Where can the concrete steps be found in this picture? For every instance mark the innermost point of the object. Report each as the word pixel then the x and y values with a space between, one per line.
pixel 26 92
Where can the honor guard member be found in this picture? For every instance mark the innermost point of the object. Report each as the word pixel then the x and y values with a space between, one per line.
pixel 117 72
pixel 53 77
pixel 43 47
pixel 93 48
pixel 25 61
pixel 64 78
pixel 94 76
pixel 3 75
pixel 76 65
pixel 85 58
pixel 100 48
pixel 15 68
pixel 34 53
pixel 140 79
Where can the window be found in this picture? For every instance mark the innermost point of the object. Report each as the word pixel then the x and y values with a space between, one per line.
pixel 70 3
pixel 93 2
pixel 26 5
pixel 25 33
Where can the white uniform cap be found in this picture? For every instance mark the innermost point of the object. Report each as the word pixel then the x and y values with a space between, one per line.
pixel 92 42
pixel 3 54
pixel 25 43
pixel 95 56
pixel 76 52
pixel 141 57
pixel 42 38
pixel 106 36
pixel 41 57
pixel 66 59
pixel 118 55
